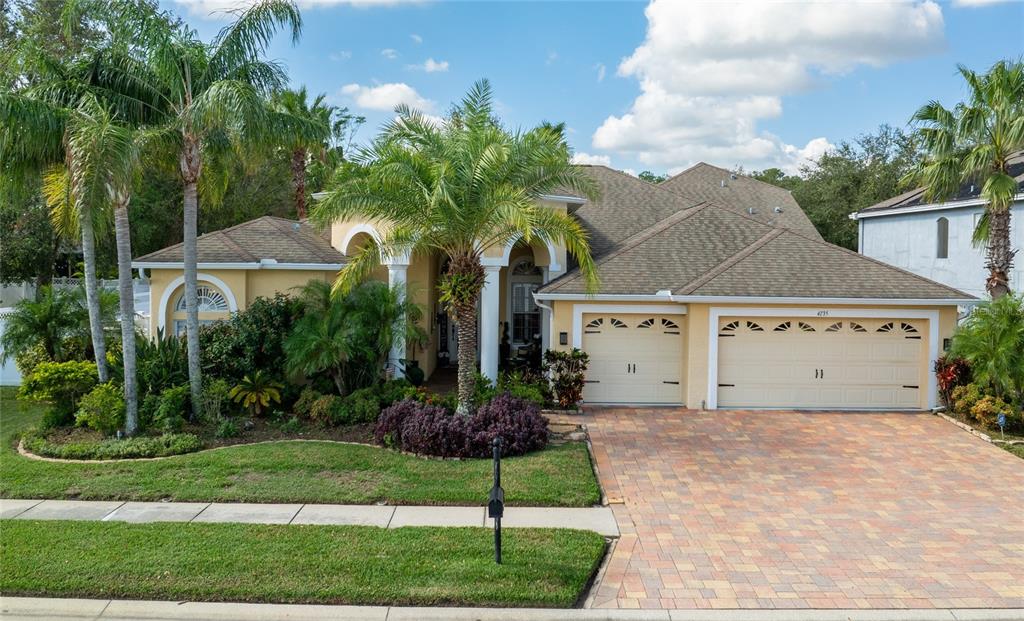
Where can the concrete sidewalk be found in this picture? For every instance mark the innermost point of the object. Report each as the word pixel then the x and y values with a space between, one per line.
pixel 28 608
pixel 597 519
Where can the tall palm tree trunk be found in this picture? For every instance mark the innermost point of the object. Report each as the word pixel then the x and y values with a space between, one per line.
pixel 299 181
pixel 92 300
pixel 1000 253
pixel 466 315
pixel 122 234
pixel 190 169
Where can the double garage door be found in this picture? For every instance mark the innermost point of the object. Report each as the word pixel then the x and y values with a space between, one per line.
pixel 768 362
pixel 634 359
pixel 763 362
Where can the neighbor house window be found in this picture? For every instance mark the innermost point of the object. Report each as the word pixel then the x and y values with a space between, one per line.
pixel 942 238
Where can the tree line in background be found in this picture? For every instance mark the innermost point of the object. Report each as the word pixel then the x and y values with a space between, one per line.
pixel 276 181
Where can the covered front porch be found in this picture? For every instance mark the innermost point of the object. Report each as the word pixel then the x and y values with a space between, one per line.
pixel 511 327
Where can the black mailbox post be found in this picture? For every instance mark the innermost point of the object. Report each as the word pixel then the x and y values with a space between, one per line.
pixel 496 501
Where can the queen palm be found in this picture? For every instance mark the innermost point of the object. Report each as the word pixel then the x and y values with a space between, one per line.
pixel 203 102
pixel 972 143
pixel 106 156
pixel 33 140
pixel 455 190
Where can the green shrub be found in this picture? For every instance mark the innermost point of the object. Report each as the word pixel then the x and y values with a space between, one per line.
pixel 27 360
pixel 964 398
pixel 227 429
pixel 171 408
pixel 991 340
pixel 62 383
pixel 325 410
pixel 102 409
pixel 161 363
pixel 531 387
pixel 362 406
pixel 143 446
pixel 216 400
pixel 305 402
pixel 987 410
pixel 57 417
pixel 394 391
pixel 251 339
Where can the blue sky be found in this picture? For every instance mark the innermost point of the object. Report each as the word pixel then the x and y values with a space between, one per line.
pixel 654 86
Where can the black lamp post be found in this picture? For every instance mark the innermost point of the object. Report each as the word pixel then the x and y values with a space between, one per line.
pixel 496 502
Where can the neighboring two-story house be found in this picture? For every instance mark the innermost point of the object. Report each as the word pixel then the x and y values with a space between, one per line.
pixel 716 291
pixel 934 239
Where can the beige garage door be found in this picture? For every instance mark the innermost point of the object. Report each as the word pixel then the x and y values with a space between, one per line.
pixel 633 358
pixel 820 363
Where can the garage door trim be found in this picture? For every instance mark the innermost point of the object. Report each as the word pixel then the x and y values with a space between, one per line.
pixel 717 312
pixel 578 310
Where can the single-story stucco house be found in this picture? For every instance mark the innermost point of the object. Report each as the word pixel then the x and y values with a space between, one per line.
pixel 717 292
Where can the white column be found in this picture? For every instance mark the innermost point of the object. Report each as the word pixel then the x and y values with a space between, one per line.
pixel 397 274
pixel 489 314
pixel 545 319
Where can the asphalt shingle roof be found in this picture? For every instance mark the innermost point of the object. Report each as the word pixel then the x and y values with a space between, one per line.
pixel 269 237
pixel 710 249
pixel 967 191
pixel 704 182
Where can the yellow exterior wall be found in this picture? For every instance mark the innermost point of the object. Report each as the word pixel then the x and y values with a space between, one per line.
pixel 244 285
pixel 695 367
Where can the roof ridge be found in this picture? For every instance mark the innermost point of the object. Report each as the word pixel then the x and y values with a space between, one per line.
pixel 286 227
pixel 638 238
pixel 685 170
pixel 733 260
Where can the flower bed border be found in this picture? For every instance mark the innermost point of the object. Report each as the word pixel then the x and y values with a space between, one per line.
pixel 974 432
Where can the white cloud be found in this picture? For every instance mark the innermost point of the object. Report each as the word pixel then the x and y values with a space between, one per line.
pixel 552 57
pixel 416 38
pixel 588 158
pixel 601 70
pixel 386 96
pixel 389 53
pixel 340 56
pixel 708 73
pixel 432 66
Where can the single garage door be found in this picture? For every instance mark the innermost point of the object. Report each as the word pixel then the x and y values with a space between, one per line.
pixel 633 358
pixel 802 362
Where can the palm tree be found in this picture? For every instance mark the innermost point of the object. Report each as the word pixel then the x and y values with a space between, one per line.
pixel 106 156
pixel 973 143
pixel 33 141
pixel 203 102
pixel 457 189
pixel 349 335
pixel 301 145
pixel 48 322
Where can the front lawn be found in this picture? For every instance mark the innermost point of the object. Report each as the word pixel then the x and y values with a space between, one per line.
pixel 294 471
pixel 296 564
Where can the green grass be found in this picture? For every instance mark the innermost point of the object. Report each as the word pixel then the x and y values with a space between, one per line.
pixel 312 472
pixel 296 564
pixel 1016 449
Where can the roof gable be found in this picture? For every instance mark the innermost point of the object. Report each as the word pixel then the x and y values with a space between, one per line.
pixel 764 202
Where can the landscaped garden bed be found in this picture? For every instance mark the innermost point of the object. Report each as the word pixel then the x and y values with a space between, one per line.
pixel 293 471
pixel 296 564
pixel 981 378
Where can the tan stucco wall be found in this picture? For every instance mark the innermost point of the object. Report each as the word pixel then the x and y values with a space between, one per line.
pixel 695 366
pixel 244 285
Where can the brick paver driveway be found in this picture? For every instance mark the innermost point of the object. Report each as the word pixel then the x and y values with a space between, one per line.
pixel 807 510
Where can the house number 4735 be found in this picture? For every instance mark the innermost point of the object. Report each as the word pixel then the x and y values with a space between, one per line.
pixel 823 313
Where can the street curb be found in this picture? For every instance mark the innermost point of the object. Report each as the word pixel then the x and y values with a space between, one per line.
pixel 32 608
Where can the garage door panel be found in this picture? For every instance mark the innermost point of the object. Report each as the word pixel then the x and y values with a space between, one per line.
pixel 632 356
pixel 820 363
